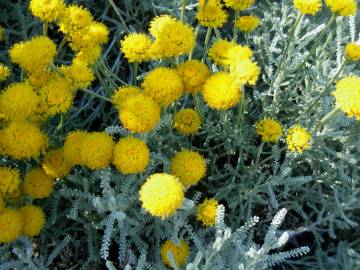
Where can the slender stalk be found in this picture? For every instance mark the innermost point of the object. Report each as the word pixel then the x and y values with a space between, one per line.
pixel 206 43
pixel 259 153
pixel 272 156
pixel 183 10
pixel 118 13
pixel 61 46
pixel 45 28
pixel 326 119
pixel 96 95
pixel 136 66
pixel 198 106
pixel 196 35
pixel 241 111
pixel 235 30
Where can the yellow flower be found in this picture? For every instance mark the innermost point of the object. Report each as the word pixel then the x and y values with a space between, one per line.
pixel 269 129
pixel 79 74
pixel 37 184
pixel 211 14
pixel 55 164
pixel 88 55
pixel 9 180
pixel 158 23
pixel 39 78
pixel 22 139
pixel 237 53
pixel 352 52
pixel 34 54
pixel 347 95
pixel 136 47
pixel 75 18
pixel 187 121
pixel 310 7
pixel 139 114
pixel 221 92
pixel 122 94
pixel 33 218
pixel 218 52
pixel 343 7
pixel 163 85
pixel 11 224
pixel 180 252
pixel 15 196
pixel 247 24
pixel 4 72
pixel 2 33
pixel 245 72
pixel 47 10
pixel 72 146
pixel 239 4
pixel 96 150
pixel 298 139
pixel 206 212
pixel 131 155
pixel 98 33
pixel 161 195
pixel 189 166
pixel 193 74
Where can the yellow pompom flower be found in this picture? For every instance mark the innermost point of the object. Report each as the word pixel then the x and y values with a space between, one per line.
pixel 122 94
pixel 37 184
pixel 131 155
pixel 161 195
pixel 163 85
pixel 298 139
pixel 98 33
pixel 342 7
pixel 4 72
pixel 72 146
pixel 47 10
pixel 158 23
pixel 239 4
pixel 352 52
pixel 88 55
pixel 189 166
pixel 187 121
pixel 79 74
pixel 193 74
pixel 15 196
pixel 245 72
pixel 75 18
pixel 96 150
pixel 11 224
pixel 136 47
pixel 2 33
pixel 310 7
pixel 218 52
pixel 33 219
pixel 9 180
pixel 55 164
pixel 180 252
pixel 237 53
pixel 269 129
pixel 211 14
pixel 19 101
pixel 247 24
pixel 221 92
pixel 22 139
pixel 34 54
pixel 347 96
pixel 206 212
pixel 139 114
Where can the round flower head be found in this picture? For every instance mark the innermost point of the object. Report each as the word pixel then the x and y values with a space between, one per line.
pixel 34 54
pixel 221 92
pixel 158 23
pixel 122 94
pixel 347 95
pixel 211 14
pixel 139 114
pixel 245 72
pixel 310 7
pixel 72 146
pixel 96 150
pixel 131 155
pixel 206 212
pixel 4 72
pixel 9 180
pixel 161 195
pixel 10 225
pixel 88 55
pixel 47 10
pixel 180 252
pixel 136 47
pixel 15 196
pixel 219 51
pixel 239 4
pixel 75 18
pixel 247 24
pixel 22 139
pixel 189 166
pixel 79 74
pixel 193 74
pixel 238 53
pixel 187 121
pixel 298 139
pixel 55 164
pixel 37 184
pixel 98 33
pixel 343 7
pixel 269 129
pixel 33 219
pixel 163 85
pixel 352 52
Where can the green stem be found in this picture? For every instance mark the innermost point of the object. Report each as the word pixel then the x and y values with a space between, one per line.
pixel 206 43
pixel 197 105
pixel 259 153
pixel 235 30
pixel 326 119
pixel 273 155
pixel 61 46
pixel 241 112
pixel 136 66
pixel 45 28
pixel 96 95
pixel 183 10
pixel 118 13
pixel 196 35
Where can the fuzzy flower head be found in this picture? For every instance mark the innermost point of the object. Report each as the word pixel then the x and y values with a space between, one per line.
pixel 221 92
pixel 139 114
pixel 158 23
pixel 122 94
pixel 4 72
pixel 247 24
pixel 218 52
pixel 180 252
pixel 193 74
pixel 55 164
pixel 238 53
pixel 9 180
pixel 245 72
pixel 187 121
pixel 47 10
pixel 72 146
pixel 37 184
pixel 352 52
pixel 98 33
pixel 136 47
pixel 74 19
pixel 298 139
pixel 269 129
pixel 309 7
pixel 211 14
pixel 163 85
pixel 79 74
pixel 342 7
pixel 33 220
pixel 189 166
pixel 347 95
pixel 161 195
pixel 239 4
pixel 131 155
pixel 11 224
pixel 206 212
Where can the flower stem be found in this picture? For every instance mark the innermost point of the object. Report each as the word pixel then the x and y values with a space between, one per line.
pixel 135 71
pixel 235 31
pixel 96 95
pixel 196 35
pixel 241 111
pixel 206 43
pixel 45 28
pixel 118 13
pixel 326 119
pixel 198 106
pixel 183 10
pixel 259 153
